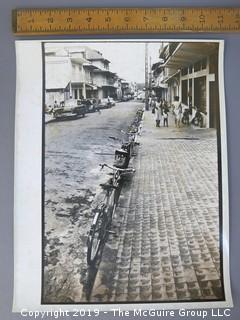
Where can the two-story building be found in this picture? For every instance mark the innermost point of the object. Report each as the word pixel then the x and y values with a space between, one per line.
pixel 65 75
pixel 102 77
pixel 77 72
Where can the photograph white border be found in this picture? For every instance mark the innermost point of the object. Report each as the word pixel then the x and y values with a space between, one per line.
pixel 28 186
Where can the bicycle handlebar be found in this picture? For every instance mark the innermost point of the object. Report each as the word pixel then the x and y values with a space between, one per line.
pixel 114 138
pixel 102 165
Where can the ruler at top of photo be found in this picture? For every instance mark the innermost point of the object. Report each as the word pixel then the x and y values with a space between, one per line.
pixel 124 20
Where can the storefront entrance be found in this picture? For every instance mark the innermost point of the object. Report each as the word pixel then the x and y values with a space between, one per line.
pixel 200 97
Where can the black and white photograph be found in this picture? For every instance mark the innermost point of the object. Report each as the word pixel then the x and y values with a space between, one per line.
pixel 132 177
pixel 128 146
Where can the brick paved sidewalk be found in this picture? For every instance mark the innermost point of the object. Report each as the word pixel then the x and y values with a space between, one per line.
pixel 167 243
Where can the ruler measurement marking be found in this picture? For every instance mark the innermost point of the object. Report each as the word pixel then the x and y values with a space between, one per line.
pixel 129 20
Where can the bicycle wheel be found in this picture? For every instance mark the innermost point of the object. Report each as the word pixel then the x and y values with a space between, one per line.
pixel 96 236
pixel 112 205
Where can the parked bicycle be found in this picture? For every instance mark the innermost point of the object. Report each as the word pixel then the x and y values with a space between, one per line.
pixel 104 212
pixel 131 140
pixel 198 119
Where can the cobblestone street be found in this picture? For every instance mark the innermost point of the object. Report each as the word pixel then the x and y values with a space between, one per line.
pixel 166 245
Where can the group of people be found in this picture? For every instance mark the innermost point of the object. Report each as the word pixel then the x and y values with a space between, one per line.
pixel 160 108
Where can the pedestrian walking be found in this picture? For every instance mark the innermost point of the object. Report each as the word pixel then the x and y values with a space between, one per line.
pixel 158 112
pixel 177 111
pixel 185 116
pixel 153 105
pixel 150 102
pixel 165 117
pixel 55 104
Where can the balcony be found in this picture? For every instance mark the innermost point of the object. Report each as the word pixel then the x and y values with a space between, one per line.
pixel 109 83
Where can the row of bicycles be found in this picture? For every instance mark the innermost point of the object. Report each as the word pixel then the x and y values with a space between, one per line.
pixel 104 211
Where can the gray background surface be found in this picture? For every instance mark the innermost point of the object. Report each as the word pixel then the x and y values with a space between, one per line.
pixel 7 106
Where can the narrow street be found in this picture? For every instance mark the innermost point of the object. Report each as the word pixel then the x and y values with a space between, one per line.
pixel 73 151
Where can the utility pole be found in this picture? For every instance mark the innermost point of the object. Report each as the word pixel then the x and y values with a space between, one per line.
pixel 146 77
pixel 150 76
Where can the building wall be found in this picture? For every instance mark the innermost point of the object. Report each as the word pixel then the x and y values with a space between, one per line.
pixel 77 73
pixel 99 79
pixel 52 96
pixel 199 88
pixel 100 93
pixel 58 72
pixel 88 76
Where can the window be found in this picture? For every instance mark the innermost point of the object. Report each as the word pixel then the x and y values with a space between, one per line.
pixel 200 93
pixel 200 65
pixel 184 71
pixel 197 66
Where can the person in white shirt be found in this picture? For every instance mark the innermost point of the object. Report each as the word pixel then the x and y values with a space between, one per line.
pixel 158 112
pixel 177 111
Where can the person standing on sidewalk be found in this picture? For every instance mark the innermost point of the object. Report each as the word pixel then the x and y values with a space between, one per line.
pixel 153 105
pixel 158 112
pixel 177 111
pixel 165 116
pixel 55 106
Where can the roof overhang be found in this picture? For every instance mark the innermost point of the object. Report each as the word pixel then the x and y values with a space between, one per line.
pixel 76 83
pixel 104 71
pixel 161 85
pixel 59 85
pixel 78 60
pixel 171 76
pixel 90 66
pixel 99 59
pixel 91 87
pixel 188 53
pixel 108 86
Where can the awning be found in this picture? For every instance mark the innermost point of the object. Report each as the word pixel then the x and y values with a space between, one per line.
pixel 188 53
pixel 171 76
pixel 160 85
pixel 163 85
pixel 104 71
pixel 109 86
pixel 78 59
pixel 90 66
pixel 91 87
